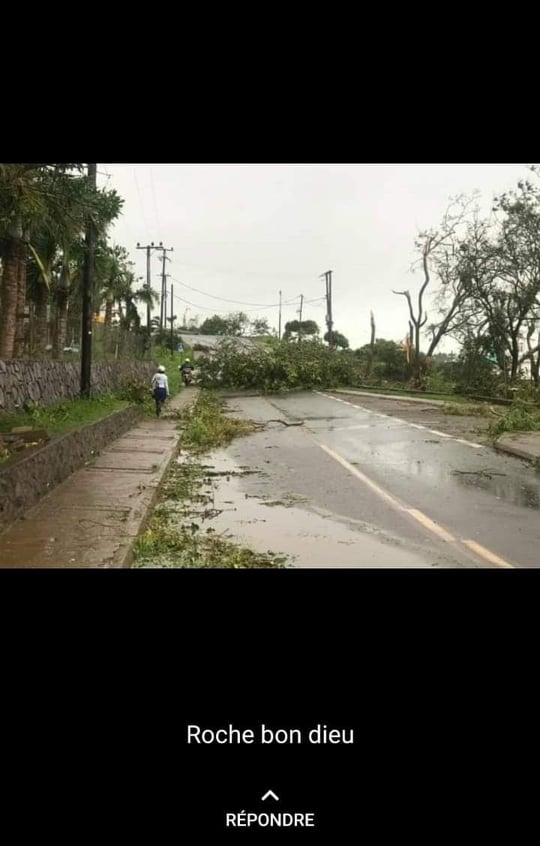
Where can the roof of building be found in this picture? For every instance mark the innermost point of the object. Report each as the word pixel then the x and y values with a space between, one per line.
pixel 212 342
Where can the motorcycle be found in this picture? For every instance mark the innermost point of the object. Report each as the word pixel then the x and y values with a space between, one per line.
pixel 187 377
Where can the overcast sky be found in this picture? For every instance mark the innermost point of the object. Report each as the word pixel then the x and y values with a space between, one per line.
pixel 245 232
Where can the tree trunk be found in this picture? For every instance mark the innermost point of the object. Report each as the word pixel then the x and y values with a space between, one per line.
pixel 371 345
pixel 10 293
pixel 18 345
pixel 40 321
pixel 515 360
pixel 108 313
pixel 60 325
pixel 535 366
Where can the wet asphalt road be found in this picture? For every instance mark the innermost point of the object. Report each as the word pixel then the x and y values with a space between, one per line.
pixel 426 497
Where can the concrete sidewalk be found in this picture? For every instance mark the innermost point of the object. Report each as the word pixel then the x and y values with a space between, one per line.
pixel 93 518
pixel 521 444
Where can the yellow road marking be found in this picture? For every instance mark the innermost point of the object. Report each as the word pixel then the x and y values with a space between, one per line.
pixel 487 554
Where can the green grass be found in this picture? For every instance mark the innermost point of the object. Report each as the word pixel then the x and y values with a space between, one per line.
pixel 62 417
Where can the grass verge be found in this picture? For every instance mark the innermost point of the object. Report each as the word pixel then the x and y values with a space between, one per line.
pixel 62 417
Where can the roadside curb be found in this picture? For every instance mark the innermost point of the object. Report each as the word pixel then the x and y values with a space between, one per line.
pixel 388 396
pixel 516 451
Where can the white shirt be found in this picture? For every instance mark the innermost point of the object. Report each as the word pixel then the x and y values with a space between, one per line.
pixel 160 380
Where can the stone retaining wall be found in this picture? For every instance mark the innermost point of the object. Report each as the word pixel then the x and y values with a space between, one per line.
pixel 48 382
pixel 26 477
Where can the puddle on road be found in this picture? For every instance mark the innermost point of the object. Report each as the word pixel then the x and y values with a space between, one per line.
pixel 519 487
pixel 279 525
pixel 510 489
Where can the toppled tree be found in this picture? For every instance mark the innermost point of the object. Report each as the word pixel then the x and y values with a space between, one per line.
pixel 277 365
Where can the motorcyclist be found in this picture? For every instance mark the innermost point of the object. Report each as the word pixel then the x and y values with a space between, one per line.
pixel 186 369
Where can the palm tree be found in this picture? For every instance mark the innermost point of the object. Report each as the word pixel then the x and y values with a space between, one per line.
pixel 40 273
pixel 21 202
pixel 148 297
pixel 41 206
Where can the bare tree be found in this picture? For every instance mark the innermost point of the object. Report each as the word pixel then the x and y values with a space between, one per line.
pixel 437 256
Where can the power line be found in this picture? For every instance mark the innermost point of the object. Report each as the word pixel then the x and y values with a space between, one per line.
pixel 154 197
pixel 140 198
pixel 235 302
pixel 271 274
pixel 215 310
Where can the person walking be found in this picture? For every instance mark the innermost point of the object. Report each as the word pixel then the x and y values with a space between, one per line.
pixel 160 385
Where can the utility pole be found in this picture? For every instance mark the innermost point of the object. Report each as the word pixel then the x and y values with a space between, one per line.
pixel 88 285
pixel 164 259
pixel 300 314
pixel 163 312
pixel 279 329
pixel 149 248
pixel 329 321
pixel 172 320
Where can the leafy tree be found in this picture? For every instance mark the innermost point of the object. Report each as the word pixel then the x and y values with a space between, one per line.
pixel 337 340
pixel 235 324
pixel 473 373
pixel 301 329
pixel 385 360
pixel 260 326
pixel 215 325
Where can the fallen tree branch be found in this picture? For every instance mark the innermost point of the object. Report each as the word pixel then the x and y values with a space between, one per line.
pixel 284 423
